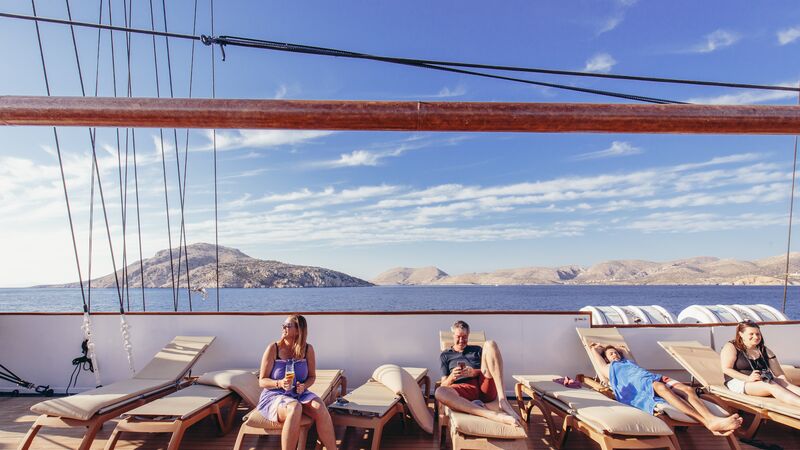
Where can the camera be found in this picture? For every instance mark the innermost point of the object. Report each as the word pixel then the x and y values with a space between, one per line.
pixel 767 376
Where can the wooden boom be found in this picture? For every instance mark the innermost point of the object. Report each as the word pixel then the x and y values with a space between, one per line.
pixel 398 116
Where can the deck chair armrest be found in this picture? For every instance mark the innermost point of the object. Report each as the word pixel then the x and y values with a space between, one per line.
pixel 596 385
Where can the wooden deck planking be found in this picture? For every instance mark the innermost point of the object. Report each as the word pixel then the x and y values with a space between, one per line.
pixel 15 419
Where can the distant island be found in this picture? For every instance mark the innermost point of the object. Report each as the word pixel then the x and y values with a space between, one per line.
pixel 236 270
pixel 702 270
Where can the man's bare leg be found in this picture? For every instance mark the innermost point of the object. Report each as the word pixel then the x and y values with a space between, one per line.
pixel 450 398
pixel 492 367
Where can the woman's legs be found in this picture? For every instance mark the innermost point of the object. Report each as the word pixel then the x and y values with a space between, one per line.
pixel 710 421
pixel 322 418
pixel 788 385
pixel 776 390
pixel 289 414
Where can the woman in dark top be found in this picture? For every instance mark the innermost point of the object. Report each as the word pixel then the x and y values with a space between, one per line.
pixel 751 368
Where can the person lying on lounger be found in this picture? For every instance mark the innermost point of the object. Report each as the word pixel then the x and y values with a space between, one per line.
pixel 751 368
pixel 288 369
pixel 642 389
pixel 472 380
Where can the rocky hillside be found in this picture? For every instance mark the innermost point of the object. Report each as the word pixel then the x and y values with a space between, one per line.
pixel 408 275
pixel 704 270
pixel 236 270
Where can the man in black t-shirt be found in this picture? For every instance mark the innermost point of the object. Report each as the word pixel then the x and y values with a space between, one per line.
pixel 472 380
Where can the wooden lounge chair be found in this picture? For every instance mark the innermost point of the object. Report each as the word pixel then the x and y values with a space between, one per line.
pixel 472 432
pixel 671 415
pixel 91 409
pixel 704 365
pixel 175 413
pixel 373 404
pixel 609 423
pixel 328 385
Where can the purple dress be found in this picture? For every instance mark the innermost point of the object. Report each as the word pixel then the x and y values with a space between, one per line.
pixel 271 399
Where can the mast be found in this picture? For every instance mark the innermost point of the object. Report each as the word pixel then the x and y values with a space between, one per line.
pixel 399 116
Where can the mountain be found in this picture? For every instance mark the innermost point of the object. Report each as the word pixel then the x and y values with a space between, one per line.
pixel 236 270
pixel 408 275
pixel 703 270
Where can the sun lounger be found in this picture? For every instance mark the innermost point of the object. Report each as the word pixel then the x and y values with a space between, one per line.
pixel 373 404
pixel 90 409
pixel 607 422
pixel 704 365
pixel 671 415
pixel 328 385
pixel 175 413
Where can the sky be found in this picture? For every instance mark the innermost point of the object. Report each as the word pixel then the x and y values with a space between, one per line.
pixel 364 202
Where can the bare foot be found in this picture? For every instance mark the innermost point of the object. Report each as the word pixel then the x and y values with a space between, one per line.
pixel 725 424
pixel 506 407
pixel 501 417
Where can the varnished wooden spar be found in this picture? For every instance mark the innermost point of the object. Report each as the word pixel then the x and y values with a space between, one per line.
pixel 398 116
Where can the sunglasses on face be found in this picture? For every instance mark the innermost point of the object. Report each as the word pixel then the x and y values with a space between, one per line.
pixel 287 326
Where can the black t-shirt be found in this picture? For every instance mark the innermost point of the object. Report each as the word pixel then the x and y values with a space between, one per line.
pixel 450 358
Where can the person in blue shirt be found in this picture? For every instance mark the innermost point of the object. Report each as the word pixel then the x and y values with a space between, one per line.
pixel 643 389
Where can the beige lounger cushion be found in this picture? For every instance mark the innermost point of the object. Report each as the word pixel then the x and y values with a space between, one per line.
pixel 595 409
pixel 243 382
pixel 84 406
pixel 446 339
pixel 322 387
pixel 471 425
pixel 174 360
pixel 371 397
pixel 675 414
pixel 402 383
pixel 182 403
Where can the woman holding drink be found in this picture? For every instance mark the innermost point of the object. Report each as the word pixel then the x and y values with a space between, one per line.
pixel 288 369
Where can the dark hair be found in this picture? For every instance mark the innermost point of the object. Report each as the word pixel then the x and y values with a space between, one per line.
pixel 610 347
pixel 739 344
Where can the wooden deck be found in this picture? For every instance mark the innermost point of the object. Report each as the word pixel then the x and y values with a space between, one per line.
pixel 15 419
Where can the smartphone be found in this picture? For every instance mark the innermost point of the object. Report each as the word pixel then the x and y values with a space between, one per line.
pixel 462 365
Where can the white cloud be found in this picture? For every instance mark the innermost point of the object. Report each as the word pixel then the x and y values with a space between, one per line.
pixel 356 158
pixel 260 139
pixel 747 97
pixel 458 91
pixel 715 41
pixel 788 35
pixel 685 222
pixel 618 148
pixel 611 23
pixel 601 62
pixel 281 92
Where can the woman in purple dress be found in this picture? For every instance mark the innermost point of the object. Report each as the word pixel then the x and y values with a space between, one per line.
pixel 285 399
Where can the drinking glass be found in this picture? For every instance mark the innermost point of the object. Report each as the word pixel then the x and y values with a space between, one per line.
pixel 289 374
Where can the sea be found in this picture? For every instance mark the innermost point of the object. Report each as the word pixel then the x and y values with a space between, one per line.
pixel 401 298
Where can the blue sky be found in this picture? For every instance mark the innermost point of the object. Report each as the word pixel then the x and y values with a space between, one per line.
pixel 362 202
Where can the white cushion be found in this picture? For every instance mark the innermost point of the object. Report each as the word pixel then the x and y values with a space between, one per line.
pixel 242 381
pixel 402 383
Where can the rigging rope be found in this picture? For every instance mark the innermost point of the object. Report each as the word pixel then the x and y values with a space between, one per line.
pixel 214 139
pixel 164 165
pixel 448 66
pixel 86 325
pixel 791 213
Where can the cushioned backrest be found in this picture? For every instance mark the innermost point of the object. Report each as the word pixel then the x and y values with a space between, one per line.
pixel 242 381
pixel 446 339
pixel 326 379
pixel 700 360
pixel 174 360
pixel 402 383
pixel 604 337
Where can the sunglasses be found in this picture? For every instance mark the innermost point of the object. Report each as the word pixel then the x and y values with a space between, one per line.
pixel 287 326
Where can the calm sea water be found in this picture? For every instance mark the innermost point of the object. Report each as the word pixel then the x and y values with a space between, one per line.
pixel 403 298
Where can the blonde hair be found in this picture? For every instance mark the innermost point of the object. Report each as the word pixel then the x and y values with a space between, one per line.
pixel 299 347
